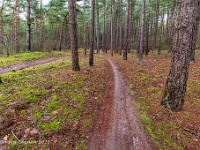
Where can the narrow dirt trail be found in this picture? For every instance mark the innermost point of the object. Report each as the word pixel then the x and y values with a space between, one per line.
pixel 28 64
pixel 124 131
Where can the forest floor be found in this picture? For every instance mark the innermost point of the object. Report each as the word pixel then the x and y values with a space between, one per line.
pixel 49 106
pixel 123 131
pixel 28 64
pixel 168 130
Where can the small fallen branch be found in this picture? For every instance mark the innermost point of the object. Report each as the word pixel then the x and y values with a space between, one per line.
pixel 194 132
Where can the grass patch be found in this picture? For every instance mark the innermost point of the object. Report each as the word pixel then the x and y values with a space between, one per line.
pixel 6 61
pixel 60 104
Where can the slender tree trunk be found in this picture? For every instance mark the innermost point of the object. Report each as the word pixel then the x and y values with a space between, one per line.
pixel 41 26
pixel 97 27
pixel 131 24
pixel 167 27
pixel 84 26
pixel 15 27
pixel 111 26
pixel 28 17
pixel 171 25
pixel 117 29
pixel 73 33
pixel 91 57
pixel 61 32
pixel 187 24
pixel 161 29
pixel 154 45
pixel 126 31
pixel 192 56
pixel 141 46
pixel 147 29
pixel 120 28
pixel 1 24
pixel 104 27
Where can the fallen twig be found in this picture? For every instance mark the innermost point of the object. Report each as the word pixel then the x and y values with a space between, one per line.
pixel 194 132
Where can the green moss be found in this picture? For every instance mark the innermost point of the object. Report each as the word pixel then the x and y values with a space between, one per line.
pixel 5 61
pixel 153 89
pixel 143 77
pixel 37 115
pixel 50 126
pixel 132 92
pixel 145 118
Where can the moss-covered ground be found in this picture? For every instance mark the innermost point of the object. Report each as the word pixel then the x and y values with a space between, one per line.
pixel 22 57
pixel 51 107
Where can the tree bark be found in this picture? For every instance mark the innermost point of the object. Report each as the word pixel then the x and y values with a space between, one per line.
pixel 104 27
pixel 61 32
pixel 161 29
pixel 73 33
pixel 126 31
pixel 120 28
pixel 1 24
pixel 84 26
pixel 97 27
pixel 111 26
pixel 155 26
pixel 91 56
pixel 188 16
pixel 28 17
pixel 141 46
pixel 41 26
pixel 147 28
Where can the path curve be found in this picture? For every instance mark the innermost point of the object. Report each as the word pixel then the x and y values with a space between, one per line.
pixel 124 131
pixel 28 64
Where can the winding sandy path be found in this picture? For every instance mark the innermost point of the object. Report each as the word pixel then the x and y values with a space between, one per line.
pixel 124 131
pixel 28 64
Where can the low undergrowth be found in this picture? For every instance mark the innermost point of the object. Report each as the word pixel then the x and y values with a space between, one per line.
pixel 147 81
pixel 13 59
pixel 51 107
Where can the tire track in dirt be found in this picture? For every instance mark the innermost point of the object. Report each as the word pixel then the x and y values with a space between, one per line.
pixel 28 64
pixel 124 131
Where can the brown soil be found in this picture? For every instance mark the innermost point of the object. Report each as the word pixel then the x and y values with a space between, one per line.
pixel 122 131
pixel 28 64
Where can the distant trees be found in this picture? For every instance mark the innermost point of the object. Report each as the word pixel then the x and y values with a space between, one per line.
pixel 183 49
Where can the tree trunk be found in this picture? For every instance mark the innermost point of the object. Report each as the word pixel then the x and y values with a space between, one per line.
pixel 161 29
pixel 126 31
pixel 97 27
pixel 111 26
pixel 120 28
pixel 156 25
pixel 147 29
pixel 167 27
pixel 41 26
pixel 187 24
pixel 171 25
pixel 15 27
pixel 91 57
pixel 1 24
pixel 84 26
pixel 141 46
pixel 28 16
pixel 61 32
pixel 73 33
pixel 104 27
